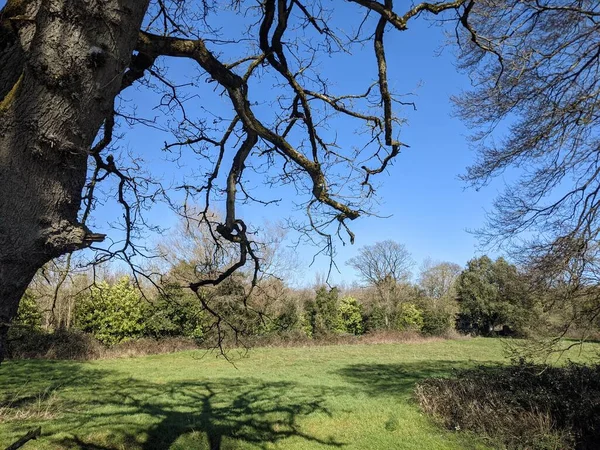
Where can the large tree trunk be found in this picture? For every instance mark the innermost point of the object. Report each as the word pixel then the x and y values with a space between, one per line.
pixel 62 64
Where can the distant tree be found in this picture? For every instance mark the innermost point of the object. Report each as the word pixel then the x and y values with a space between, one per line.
pixel 382 263
pixel 437 279
pixel 192 251
pixel 386 267
pixel 492 293
pixel 176 312
pixel 438 285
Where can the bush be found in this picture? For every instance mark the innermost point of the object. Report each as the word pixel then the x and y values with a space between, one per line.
pixel 375 319
pixel 322 312
pixel 177 313
pixel 111 313
pixel 436 323
pixel 288 318
pixel 350 316
pixel 409 318
pixel 29 313
pixel 62 344
pixel 522 406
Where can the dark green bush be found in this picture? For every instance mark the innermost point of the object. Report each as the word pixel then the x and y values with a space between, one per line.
pixel 288 318
pixel 436 323
pixel 375 319
pixel 522 406
pixel 321 313
pixel 176 313
pixel 61 344
pixel 492 294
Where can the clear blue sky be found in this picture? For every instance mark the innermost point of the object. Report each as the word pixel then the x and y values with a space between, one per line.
pixel 429 207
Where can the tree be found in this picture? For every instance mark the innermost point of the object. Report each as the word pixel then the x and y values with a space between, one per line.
pixel 57 286
pixel 492 293
pixel 382 263
pixel 176 313
pixel 190 252
pixel 66 64
pixel 386 267
pixel 438 284
pixel 535 66
pixel 437 280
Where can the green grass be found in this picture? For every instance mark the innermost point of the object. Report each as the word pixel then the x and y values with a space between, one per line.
pixel 348 397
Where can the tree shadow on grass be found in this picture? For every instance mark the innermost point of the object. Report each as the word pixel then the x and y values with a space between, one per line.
pixel 398 379
pixel 101 409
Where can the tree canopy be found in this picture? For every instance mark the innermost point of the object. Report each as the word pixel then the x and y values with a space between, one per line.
pixel 535 68
pixel 382 263
pixel 491 294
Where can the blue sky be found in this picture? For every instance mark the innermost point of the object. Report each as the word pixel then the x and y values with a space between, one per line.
pixel 430 210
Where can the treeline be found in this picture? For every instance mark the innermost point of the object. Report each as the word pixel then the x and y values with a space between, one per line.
pixel 485 298
pixel 115 311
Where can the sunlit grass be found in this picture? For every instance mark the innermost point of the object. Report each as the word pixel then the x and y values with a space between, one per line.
pixel 350 397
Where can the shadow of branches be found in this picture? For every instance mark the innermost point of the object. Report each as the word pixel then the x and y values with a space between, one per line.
pixel 397 379
pixel 104 410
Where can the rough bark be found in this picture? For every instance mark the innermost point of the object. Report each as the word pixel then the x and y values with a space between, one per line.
pixel 63 62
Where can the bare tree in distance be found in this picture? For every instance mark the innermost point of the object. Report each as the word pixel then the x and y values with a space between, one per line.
pixel 386 267
pixel 190 251
pixel 437 279
pixel 383 262
pixel 535 67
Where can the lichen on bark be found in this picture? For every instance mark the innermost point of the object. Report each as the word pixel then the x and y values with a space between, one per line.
pixel 10 96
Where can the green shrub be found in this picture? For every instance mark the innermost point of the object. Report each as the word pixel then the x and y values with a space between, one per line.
pixel 375 319
pixel 350 316
pixel 322 312
pixel 409 317
pixel 28 320
pixel 111 313
pixel 436 323
pixel 306 325
pixel 176 313
pixel 29 313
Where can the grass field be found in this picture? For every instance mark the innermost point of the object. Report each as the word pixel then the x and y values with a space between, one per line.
pixel 347 397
